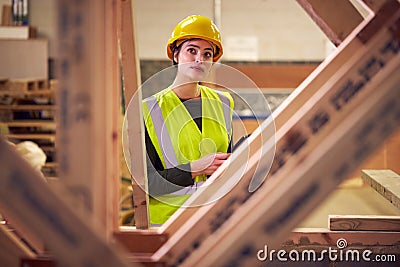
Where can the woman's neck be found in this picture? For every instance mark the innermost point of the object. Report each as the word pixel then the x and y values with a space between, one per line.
pixel 187 90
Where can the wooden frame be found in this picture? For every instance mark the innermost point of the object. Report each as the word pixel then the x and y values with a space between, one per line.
pixel 88 103
pixel 174 250
pixel 286 111
pixel 223 237
pixel 265 217
pixel 337 19
pixel 27 199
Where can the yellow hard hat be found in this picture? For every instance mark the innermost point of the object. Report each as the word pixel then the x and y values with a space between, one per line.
pixel 196 26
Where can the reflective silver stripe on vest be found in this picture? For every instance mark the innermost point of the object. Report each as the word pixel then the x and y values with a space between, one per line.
pixel 226 106
pixel 162 132
pixel 188 190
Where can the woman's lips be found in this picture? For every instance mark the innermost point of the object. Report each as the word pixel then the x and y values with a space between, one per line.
pixel 197 68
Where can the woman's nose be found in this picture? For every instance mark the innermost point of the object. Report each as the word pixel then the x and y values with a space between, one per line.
pixel 199 57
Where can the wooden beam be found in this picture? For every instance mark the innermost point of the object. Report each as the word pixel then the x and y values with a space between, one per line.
pixel 135 128
pixel 364 223
pixel 88 99
pixel 12 248
pixel 385 182
pixel 209 219
pixel 319 78
pixel 30 123
pixel 140 242
pixel 373 5
pixel 129 56
pixel 320 236
pixel 31 239
pixel 38 262
pixel 28 107
pixel 27 199
pixel 337 19
pixel 266 216
pixel 279 75
pixel 32 136
pixel 6 15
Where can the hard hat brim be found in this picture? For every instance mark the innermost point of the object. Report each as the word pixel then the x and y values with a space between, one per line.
pixel 172 43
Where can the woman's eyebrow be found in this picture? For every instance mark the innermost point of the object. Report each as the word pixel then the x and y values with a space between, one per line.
pixel 193 45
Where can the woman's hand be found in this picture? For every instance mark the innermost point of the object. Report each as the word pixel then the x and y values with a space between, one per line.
pixel 209 164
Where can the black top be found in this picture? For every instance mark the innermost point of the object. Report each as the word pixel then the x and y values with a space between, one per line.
pixel 164 181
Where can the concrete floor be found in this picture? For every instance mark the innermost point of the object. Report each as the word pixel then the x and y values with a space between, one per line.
pixel 352 197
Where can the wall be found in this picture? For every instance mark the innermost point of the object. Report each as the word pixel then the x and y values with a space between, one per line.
pixel 264 30
pixel 278 30
pixel 42 15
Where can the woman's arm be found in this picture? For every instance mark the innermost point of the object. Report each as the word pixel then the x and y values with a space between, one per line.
pixel 164 181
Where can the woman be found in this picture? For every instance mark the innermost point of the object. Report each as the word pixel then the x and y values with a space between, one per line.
pixel 188 125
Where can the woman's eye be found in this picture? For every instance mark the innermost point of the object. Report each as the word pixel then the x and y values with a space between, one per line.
pixel 208 54
pixel 192 51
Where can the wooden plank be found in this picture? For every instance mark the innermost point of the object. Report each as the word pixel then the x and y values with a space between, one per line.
pixel 319 78
pixel 27 107
pixel 111 69
pixel 206 220
pixel 373 4
pixel 31 239
pixel 318 236
pixel 140 242
pixel 30 123
pixel 87 139
pixel 129 58
pixel 364 223
pixel 31 136
pixel 12 248
pixel 27 95
pixel 345 247
pixel 380 17
pixel 6 15
pixel 27 198
pixel 279 76
pixel 337 19
pixel 28 85
pixel 385 182
pixel 134 125
pixel 38 262
pixel 41 261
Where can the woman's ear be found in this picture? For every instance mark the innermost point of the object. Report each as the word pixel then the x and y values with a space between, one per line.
pixel 176 56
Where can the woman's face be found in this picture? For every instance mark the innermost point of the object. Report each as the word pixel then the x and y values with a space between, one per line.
pixel 195 59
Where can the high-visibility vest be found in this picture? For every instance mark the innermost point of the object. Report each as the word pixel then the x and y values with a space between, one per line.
pixel 178 140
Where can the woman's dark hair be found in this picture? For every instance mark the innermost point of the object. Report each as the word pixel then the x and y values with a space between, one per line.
pixel 175 49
